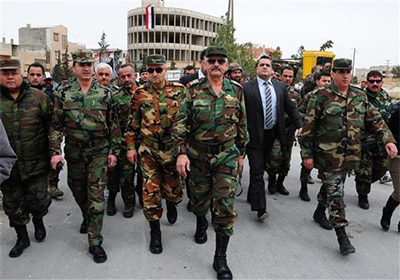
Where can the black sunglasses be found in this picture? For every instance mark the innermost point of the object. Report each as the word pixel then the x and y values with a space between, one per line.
pixel 375 81
pixel 221 60
pixel 158 70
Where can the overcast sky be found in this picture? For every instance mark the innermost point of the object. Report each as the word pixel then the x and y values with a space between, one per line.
pixel 370 27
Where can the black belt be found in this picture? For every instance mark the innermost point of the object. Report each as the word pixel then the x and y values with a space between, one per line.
pixel 211 149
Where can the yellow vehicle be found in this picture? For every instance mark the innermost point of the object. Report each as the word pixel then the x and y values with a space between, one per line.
pixel 313 58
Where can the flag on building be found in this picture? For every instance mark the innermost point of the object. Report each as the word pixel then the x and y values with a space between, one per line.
pixel 149 17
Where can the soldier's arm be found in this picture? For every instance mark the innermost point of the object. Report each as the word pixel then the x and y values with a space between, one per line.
pixel 374 123
pixel 114 129
pixel 242 137
pixel 292 111
pixel 307 139
pixel 56 126
pixel 133 126
pixel 180 125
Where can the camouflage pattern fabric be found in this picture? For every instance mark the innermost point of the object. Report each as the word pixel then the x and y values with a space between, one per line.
pixel 122 175
pixel 90 124
pixel 374 161
pixel 26 121
pixel 215 128
pixel 152 113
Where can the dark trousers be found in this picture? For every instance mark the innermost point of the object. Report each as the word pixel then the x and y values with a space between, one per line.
pixel 257 160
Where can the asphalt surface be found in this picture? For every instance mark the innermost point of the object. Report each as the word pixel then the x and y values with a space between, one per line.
pixel 288 245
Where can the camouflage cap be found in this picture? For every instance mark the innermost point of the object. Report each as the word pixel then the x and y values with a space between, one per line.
pixel 234 66
pixel 10 64
pixel 216 50
pixel 156 59
pixel 82 57
pixel 342 64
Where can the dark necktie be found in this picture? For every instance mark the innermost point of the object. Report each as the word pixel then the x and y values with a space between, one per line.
pixel 268 107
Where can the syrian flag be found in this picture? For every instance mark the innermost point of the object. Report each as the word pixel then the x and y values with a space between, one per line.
pixel 149 17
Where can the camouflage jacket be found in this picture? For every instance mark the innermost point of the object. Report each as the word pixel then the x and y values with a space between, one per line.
pixel 295 97
pixel 85 118
pixel 333 125
pixel 123 99
pixel 209 119
pixel 304 103
pixel 152 113
pixel 27 120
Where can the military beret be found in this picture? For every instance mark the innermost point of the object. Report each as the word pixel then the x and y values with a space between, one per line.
pixel 216 50
pixel 342 64
pixel 143 70
pixel 82 57
pixel 156 59
pixel 10 64
pixel 234 66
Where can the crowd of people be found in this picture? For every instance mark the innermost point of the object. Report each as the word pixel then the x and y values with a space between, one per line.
pixel 194 133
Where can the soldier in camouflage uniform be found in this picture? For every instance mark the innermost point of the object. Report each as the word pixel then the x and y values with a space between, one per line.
pixel 86 114
pixel 234 72
pixel 36 75
pixel 279 162
pixel 153 110
pixel 122 175
pixel 212 119
pixel 331 141
pixel 322 79
pixel 26 114
pixel 374 161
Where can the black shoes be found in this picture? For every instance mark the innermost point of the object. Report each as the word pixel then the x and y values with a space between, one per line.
pixel 303 194
pixel 280 188
pixel 111 209
pixel 363 201
pixel 22 242
pixel 172 213
pixel 155 237
pixel 387 212
pixel 320 217
pixel 200 237
pixel 99 255
pixel 220 264
pixel 128 211
pixel 262 215
pixel 344 242
pixel 272 183
pixel 84 226
pixel 40 230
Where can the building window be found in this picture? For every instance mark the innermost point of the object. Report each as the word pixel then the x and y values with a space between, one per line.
pixel 64 42
pixel 56 37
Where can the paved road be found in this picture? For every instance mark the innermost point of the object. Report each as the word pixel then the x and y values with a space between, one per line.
pixel 289 245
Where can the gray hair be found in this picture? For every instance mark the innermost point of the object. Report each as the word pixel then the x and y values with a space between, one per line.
pixel 102 66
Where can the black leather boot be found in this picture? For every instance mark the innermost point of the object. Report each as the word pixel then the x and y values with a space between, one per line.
pixel 40 230
pixel 320 217
pixel 387 212
pixel 363 201
pixel 172 213
pixel 272 183
pixel 200 237
pixel 155 240
pixel 304 192
pixel 344 242
pixel 111 209
pixel 99 255
pixel 220 265
pixel 22 242
pixel 128 211
pixel 280 188
pixel 84 225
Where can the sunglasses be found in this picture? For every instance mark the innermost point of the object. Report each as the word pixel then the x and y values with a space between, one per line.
pixel 158 70
pixel 221 60
pixel 375 81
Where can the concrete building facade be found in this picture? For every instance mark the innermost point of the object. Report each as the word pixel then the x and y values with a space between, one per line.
pixel 178 34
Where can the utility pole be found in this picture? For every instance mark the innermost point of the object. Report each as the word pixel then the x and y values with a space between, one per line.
pixel 230 12
pixel 387 67
pixel 354 62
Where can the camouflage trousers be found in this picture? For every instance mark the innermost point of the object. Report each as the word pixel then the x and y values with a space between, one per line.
pixel 372 167
pixel 280 157
pixel 121 177
pixel 331 196
pixel 24 197
pixel 160 180
pixel 213 183
pixel 87 179
pixel 53 176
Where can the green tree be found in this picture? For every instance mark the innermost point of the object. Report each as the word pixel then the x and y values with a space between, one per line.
pixel 103 44
pixel 61 70
pixel 240 53
pixel 327 45
pixel 299 54
pixel 277 53
pixel 396 71
pixel 173 65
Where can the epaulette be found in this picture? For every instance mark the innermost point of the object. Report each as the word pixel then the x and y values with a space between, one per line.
pixel 194 82
pixel 176 84
pixel 115 87
pixel 236 83
pixel 357 89
pixel 141 87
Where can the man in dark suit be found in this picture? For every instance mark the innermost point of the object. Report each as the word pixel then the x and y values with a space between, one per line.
pixel 199 74
pixel 266 103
